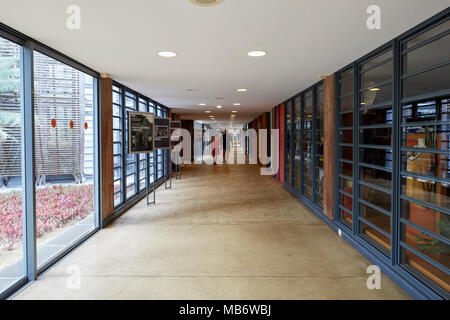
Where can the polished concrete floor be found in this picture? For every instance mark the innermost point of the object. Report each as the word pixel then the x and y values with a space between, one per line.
pixel 222 232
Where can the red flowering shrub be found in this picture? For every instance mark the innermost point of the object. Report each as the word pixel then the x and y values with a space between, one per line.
pixel 55 206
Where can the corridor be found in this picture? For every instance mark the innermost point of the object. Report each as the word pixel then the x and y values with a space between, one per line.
pixel 221 232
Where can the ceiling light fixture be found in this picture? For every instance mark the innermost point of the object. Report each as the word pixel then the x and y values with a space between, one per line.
pixel 234 111
pixel 236 104
pixel 206 3
pixel 219 107
pixel 167 54
pixel 257 53
pixel 202 104
pixel 241 90
pixel 207 111
pixel 374 89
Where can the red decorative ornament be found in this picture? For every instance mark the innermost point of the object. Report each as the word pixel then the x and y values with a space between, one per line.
pixel 53 123
pixel 86 125
pixel 71 124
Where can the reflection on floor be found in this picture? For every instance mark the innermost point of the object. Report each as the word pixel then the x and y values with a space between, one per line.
pixel 222 232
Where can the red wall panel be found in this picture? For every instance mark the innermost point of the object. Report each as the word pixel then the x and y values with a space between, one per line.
pixel 282 143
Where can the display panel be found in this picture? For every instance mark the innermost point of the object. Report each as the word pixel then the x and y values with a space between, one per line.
pixel 141 132
pixel 162 133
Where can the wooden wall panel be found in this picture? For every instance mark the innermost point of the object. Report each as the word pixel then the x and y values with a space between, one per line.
pixel 107 148
pixel 328 183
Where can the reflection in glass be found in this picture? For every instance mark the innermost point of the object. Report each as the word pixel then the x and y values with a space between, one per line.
pixel 345 152
pixel 130 159
pixel 64 137
pixel 11 234
pixel 319 146
pixel 297 143
pixel 287 145
pixel 307 157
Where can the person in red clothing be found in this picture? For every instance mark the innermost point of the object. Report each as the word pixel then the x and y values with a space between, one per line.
pixel 214 145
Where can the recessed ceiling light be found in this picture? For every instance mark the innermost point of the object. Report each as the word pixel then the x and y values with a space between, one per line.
pixel 236 104
pixel 234 111
pixel 257 53
pixel 202 104
pixel 219 107
pixel 206 3
pixel 167 54
pixel 374 89
pixel 241 90
pixel 207 111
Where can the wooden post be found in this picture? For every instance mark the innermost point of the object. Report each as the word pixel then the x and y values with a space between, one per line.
pixel 328 183
pixel 107 147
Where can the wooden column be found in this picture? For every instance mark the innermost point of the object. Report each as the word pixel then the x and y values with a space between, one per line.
pixel 107 147
pixel 328 183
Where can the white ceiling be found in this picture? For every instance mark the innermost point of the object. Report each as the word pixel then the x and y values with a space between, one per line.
pixel 303 38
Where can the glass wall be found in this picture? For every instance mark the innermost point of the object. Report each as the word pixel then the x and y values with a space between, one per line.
pixel 142 157
pixel 375 150
pixel 400 144
pixel 151 157
pixel 307 144
pixel 11 214
pixel 296 136
pixel 131 171
pixel 318 151
pixel 425 155
pixel 117 145
pixel 159 152
pixel 304 143
pixel 54 141
pixel 63 106
pixel 287 144
pixel 344 150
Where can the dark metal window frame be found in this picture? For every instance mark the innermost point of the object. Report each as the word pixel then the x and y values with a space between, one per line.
pixel 403 273
pixel 28 46
pixel 291 187
pixel 152 106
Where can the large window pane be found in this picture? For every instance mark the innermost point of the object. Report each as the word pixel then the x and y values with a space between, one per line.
pixel 118 145
pixel 344 147
pixel 130 159
pixel 287 144
pixel 307 156
pixel 425 157
pixel 319 138
pixel 297 143
pixel 11 234
pixel 64 112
